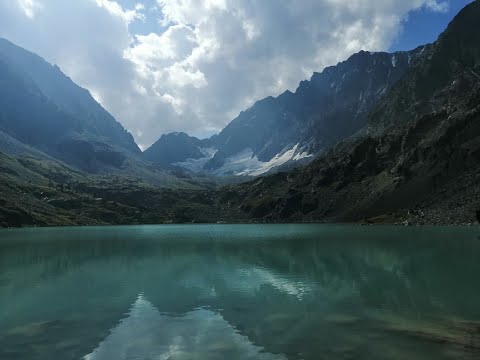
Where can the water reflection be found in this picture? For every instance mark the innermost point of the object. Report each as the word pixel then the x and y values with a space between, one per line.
pixel 296 292
pixel 200 334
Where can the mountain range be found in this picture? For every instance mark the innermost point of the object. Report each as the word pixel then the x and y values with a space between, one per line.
pixel 44 114
pixel 378 138
pixel 293 128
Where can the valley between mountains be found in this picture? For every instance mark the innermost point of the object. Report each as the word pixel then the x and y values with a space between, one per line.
pixel 378 138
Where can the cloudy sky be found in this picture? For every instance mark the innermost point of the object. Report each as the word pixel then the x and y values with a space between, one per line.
pixel 192 65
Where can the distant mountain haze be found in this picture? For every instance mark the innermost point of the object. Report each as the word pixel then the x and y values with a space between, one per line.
pixel 42 107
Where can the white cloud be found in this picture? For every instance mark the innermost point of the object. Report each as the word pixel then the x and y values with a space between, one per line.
pixel 208 60
pixel 29 7
pixel 116 10
pixel 155 51
pixel 438 6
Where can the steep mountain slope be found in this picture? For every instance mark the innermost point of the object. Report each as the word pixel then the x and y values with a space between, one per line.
pixel 331 106
pixel 41 107
pixel 437 74
pixel 274 132
pixel 418 161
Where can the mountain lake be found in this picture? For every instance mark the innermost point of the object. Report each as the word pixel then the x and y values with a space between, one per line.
pixel 240 292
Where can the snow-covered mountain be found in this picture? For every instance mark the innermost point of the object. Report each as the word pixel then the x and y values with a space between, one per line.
pixel 294 127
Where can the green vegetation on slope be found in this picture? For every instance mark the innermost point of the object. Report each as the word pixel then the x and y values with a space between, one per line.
pixel 39 192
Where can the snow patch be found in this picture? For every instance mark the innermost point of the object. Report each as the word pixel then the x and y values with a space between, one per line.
pixel 196 165
pixel 302 155
pixel 245 164
pixel 394 60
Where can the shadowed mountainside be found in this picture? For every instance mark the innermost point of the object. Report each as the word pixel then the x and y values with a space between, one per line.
pixel 45 109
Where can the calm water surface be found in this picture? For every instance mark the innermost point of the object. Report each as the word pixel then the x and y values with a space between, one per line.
pixel 240 292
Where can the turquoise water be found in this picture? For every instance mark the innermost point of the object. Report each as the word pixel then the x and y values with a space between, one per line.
pixel 240 292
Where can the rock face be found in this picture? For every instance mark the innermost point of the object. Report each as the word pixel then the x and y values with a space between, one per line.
pixel 45 109
pixel 417 159
pixel 445 69
pixel 294 127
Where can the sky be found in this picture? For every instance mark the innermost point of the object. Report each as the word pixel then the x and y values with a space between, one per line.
pixel 161 66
